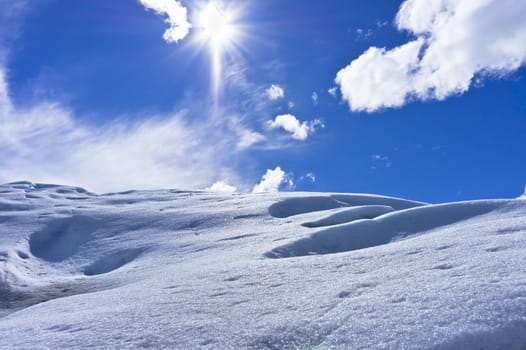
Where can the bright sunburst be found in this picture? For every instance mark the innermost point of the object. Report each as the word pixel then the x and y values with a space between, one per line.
pixel 217 25
pixel 219 29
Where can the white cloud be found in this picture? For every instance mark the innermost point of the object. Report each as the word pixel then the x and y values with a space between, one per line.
pixel 46 143
pixel 291 105
pixel 5 103
pixel 314 98
pixel 457 42
pixel 221 187
pixel 177 17
pixel 381 161
pixel 248 138
pixel 364 34
pixel 275 92
pixel 524 194
pixel 289 123
pixel 379 78
pixel 310 176
pixel 333 91
pixel 10 13
pixel 379 157
pixel 272 181
pixel 381 24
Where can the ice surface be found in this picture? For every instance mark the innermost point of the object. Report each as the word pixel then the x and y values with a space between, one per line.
pixel 195 270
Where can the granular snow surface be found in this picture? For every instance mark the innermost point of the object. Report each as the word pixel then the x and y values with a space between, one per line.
pixel 196 270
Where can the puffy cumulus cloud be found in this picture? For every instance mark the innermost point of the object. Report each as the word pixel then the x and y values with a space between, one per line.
pixel 176 17
pixel 221 187
pixel 456 43
pixel 272 180
pixel 46 143
pixel 275 92
pixel 379 78
pixel 289 123
pixel 523 195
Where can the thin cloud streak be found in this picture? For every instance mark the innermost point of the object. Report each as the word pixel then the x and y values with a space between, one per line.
pixel 46 143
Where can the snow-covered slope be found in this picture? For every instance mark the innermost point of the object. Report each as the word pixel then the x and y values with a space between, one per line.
pixel 187 270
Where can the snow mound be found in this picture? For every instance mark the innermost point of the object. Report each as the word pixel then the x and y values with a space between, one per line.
pixel 301 205
pixel 385 229
pixel 295 206
pixel 349 215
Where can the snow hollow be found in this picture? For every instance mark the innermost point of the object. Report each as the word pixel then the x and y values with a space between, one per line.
pixel 195 270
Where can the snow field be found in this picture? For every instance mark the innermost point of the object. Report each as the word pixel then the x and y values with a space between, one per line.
pixel 183 269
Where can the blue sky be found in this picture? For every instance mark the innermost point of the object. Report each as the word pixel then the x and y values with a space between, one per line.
pixel 426 101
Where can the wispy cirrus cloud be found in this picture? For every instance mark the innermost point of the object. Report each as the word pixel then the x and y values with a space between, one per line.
pixel 176 17
pixel 5 102
pixel 11 13
pixel 456 43
pixel 251 103
pixel 47 143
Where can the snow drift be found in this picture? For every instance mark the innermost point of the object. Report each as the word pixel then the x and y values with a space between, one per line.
pixel 184 269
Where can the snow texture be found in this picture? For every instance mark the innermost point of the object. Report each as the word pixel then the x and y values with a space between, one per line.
pixel 199 270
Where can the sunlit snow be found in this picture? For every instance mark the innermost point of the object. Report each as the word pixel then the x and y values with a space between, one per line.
pixel 198 270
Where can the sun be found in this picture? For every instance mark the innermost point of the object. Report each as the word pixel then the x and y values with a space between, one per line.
pixel 217 25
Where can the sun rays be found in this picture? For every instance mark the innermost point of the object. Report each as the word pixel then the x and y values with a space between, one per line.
pixel 218 27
